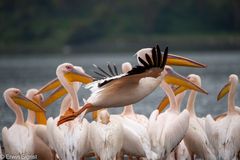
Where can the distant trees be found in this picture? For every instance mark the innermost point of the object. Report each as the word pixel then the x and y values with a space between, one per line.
pixel 75 22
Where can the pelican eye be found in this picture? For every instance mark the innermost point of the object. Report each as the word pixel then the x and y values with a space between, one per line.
pixel 16 92
pixel 69 67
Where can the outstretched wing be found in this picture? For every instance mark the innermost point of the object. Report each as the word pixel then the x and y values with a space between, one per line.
pixel 153 60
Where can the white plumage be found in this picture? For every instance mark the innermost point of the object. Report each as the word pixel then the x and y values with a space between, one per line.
pixel 106 138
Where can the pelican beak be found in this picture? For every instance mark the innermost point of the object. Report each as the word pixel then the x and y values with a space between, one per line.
pixel 49 86
pixel 27 103
pixel 173 77
pixel 165 101
pixel 58 93
pixel 41 118
pixel 75 75
pixel 224 91
pixel 94 115
pixel 182 61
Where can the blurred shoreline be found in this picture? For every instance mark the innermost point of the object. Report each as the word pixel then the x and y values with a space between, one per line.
pixel 204 42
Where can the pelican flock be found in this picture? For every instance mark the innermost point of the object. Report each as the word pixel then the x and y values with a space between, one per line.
pixel 169 133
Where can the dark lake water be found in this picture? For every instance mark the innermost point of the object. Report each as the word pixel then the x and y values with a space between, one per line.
pixel 34 71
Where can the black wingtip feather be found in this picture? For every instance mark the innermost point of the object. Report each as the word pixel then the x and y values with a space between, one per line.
pixel 143 62
pixel 159 56
pixel 164 58
pixel 99 74
pixel 154 57
pixel 115 69
pixel 110 69
pixel 149 60
pixel 100 69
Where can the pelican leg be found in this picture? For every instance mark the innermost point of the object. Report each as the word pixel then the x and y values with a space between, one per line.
pixel 97 157
pixel 54 154
pixel 119 156
pixel 192 156
pixel 130 157
pixel 70 114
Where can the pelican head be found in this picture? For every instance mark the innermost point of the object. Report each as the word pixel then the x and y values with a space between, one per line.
pixel 71 73
pixel 172 59
pixel 17 97
pixel 233 80
pixel 192 82
pixel 195 79
pixel 39 99
pixel 104 116
pixel 32 94
pixel 173 77
pixel 126 67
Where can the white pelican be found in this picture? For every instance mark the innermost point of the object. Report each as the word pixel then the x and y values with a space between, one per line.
pixel 18 140
pixel 181 152
pixel 224 133
pixel 106 136
pixel 70 141
pixel 128 88
pixel 156 58
pixel 196 139
pixel 163 127
pixel 136 142
pixel 51 123
pixel 40 140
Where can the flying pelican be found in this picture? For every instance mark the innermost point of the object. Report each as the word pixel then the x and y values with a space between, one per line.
pixel 41 143
pixel 171 60
pixel 130 87
pixel 18 140
pixel 106 136
pixel 70 141
pixel 163 127
pixel 224 133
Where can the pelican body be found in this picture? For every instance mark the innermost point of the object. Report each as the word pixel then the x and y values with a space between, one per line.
pixel 18 140
pixel 70 141
pixel 106 136
pixel 196 139
pixel 40 140
pixel 224 133
pixel 164 138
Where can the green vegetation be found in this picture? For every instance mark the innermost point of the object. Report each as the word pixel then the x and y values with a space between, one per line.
pixel 47 25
